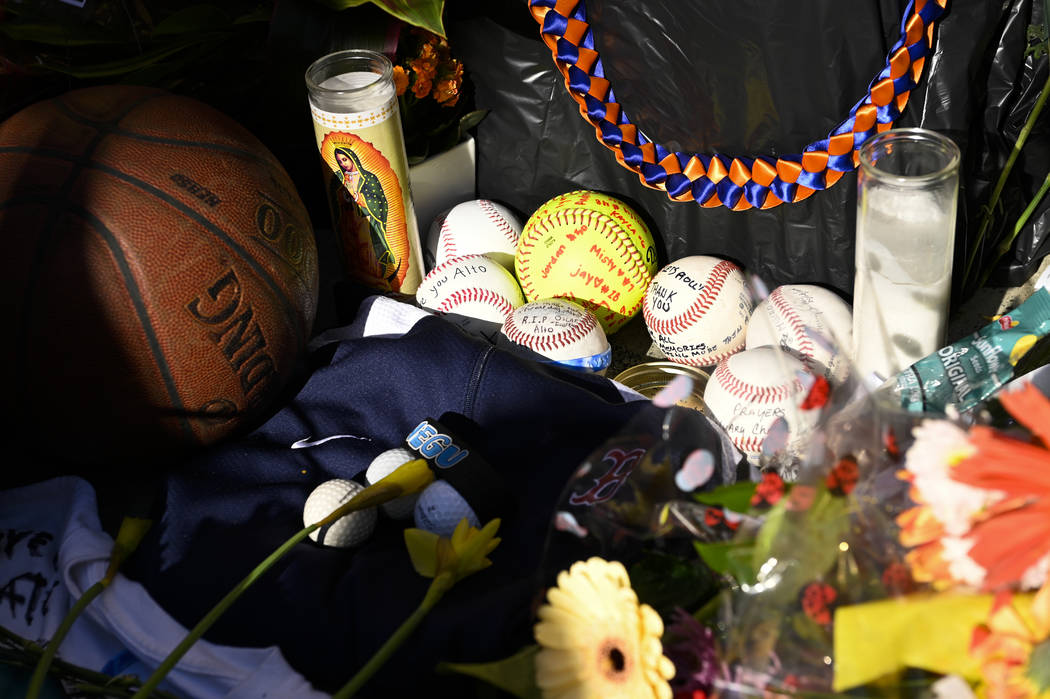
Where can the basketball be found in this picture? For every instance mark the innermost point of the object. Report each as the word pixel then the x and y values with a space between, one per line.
pixel 159 278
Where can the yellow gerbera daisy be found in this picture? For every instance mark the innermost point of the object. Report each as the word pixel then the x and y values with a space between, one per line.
pixel 597 641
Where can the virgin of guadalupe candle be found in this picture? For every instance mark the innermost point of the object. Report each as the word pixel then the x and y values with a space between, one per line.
pixel 357 126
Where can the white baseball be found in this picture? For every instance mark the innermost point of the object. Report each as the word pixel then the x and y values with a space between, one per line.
pixel 475 291
pixel 696 310
pixel 562 331
pixel 809 320
pixel 475 227
pixel 750 390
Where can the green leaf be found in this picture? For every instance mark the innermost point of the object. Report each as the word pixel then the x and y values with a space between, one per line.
pixel 262 13
pixel 1039 666
pixel 735 497
pixel 110 69
pixel 809 540
pixel 58 35
pixel 731 558
pixel 471 119
pixel 419 13
pixel 1037 40
pixel 665 581
pixel 515 675
pixel 809 630
pixel 196 18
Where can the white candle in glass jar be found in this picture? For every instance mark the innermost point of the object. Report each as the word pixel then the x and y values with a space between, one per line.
pixel 906 205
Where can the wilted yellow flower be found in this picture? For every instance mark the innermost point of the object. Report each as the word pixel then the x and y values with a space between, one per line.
pixel 465 553
pixel 597 641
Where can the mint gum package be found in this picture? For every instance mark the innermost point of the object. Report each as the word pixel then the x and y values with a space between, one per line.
pixel 972 369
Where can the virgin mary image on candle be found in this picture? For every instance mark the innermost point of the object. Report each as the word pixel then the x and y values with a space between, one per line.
pixel 371 218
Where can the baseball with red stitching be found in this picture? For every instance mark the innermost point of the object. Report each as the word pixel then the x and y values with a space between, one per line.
pixel 810 321
pixel 589 248
pixel 562 331
pixel 475 291
pixel 697 308
pixel 475 227
pixel 751 390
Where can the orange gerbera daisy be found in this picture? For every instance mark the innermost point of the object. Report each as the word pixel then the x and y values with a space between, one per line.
pixel 1012 540
pixel 1003 646
pixel 982 514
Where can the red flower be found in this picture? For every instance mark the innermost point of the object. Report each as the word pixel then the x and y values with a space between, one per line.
pixel 818 394
pixel 897 579
pixel 818 602
pixel 715 518
pixel 691 694
pixel 768 491
pixel 889 441
pixel 843 476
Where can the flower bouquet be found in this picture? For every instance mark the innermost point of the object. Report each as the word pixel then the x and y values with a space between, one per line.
pixel 896 554
pixel 433 95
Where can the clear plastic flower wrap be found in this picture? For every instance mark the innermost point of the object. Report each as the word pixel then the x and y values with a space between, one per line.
pixel 837 540
pixel 672 498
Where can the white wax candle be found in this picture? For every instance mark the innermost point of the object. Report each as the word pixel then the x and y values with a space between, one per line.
pixel 905 241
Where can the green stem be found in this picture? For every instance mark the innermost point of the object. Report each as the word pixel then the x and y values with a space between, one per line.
pixel 23 653
pixel 1007 243
pixel 211 617
pixel 993 200
pixel 36 682
pixel 435 592
pixel 371 496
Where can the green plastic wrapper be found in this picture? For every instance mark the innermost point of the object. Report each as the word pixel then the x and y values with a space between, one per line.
pixel 967 372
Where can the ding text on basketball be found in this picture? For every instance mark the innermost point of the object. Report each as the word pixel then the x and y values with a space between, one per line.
pixel 232 327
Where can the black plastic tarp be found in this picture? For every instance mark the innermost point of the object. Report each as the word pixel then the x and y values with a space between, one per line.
pixel 752 78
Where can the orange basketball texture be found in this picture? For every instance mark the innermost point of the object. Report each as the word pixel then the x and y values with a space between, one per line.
pixel 160 277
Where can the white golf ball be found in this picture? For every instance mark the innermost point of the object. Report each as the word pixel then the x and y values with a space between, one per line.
pixel 440 508
pixel 381 467
pixel 346 531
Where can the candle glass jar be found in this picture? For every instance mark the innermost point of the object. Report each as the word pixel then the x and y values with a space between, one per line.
pixel 907 195
pixel 357 126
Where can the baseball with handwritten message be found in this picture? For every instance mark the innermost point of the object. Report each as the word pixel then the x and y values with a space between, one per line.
pixel 589 248
pixel 810 321
pixel 758 394
pixel 474 291
pixel 562 331
pixel 697 309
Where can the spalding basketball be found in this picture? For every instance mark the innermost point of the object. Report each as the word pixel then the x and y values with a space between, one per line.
pixel 159 275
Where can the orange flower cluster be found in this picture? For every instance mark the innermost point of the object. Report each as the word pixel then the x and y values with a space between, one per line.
pixel 1003 645
pixel 430 71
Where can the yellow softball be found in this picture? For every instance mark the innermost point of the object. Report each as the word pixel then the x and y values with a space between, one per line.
pixel 590 248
